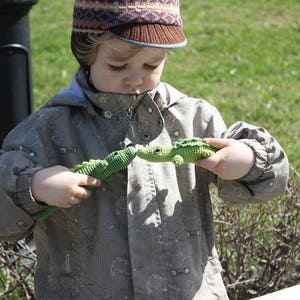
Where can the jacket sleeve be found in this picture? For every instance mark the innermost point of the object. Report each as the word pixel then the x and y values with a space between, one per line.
pixel 269 174
pixel 21 157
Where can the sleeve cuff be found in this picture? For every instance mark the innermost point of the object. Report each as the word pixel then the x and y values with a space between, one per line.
pixel 260 165
pixel 23 196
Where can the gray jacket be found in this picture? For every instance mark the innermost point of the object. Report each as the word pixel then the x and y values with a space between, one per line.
pixel 148 232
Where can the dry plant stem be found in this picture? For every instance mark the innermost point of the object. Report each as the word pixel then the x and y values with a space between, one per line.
pixel 14 273
pixel 259 244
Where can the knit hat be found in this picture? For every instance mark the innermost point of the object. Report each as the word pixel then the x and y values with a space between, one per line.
pixel 150 23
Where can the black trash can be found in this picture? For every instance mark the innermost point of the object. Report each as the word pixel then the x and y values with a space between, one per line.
pixel 15 64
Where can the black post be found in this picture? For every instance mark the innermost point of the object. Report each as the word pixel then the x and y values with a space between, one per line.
pixel 15 64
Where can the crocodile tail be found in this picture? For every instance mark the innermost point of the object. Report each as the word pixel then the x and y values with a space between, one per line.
pixel 45 213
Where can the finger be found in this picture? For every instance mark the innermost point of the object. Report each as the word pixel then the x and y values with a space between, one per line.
pixel 75 200
pixel 88 180
pixel 209 163
pixel 218 143
pixel 82 192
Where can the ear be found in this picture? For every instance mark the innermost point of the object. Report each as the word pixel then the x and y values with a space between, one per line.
pixel 177 160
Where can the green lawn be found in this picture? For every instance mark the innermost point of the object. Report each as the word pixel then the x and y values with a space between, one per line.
pixel 242 56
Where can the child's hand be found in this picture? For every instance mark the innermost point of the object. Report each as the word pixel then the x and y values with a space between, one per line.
pixel 233 161
pixel 59 186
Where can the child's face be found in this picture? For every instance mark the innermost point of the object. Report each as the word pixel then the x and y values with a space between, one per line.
pixel 125 69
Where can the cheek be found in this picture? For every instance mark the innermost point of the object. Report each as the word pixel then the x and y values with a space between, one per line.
pixel 153 80
pixel 105 84
pixel 154 77
pixel 94 74
pixel 102 80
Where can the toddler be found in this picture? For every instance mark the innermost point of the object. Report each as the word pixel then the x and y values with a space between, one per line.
pixel 148 232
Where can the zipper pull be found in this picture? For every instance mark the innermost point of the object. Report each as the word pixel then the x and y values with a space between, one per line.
pixel 129 114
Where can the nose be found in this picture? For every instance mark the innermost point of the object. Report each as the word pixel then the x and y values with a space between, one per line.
pixel 134 78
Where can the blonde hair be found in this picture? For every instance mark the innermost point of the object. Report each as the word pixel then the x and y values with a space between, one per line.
pixel 85 46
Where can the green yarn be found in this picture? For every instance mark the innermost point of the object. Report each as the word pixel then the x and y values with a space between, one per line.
pixel 182 151
pixel 111 164
pixel 101 169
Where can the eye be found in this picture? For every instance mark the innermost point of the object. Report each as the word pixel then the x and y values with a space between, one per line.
pixel 116 153
pixel 150 67
pixel 157 150
pixel 117 68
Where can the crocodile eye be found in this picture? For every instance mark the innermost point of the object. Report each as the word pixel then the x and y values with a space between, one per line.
pixel 157 150
pixel 115 153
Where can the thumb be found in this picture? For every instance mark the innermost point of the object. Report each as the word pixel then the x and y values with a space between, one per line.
pixel 208 163
pixel 218 143
pixel 88 180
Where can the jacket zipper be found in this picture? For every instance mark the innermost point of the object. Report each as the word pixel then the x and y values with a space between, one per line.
pixel 129 114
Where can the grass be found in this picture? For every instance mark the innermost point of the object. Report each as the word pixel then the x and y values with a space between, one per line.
pixel 242 56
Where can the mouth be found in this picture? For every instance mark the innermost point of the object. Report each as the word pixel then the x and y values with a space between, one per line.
pixel 134 93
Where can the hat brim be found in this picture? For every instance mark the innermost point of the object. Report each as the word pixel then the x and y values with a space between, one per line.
pixel 150 35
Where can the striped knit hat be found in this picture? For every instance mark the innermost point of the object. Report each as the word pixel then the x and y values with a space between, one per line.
pixel 150 23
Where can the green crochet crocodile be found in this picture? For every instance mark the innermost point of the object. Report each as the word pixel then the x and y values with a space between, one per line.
pixel 182 151
pixel 102 169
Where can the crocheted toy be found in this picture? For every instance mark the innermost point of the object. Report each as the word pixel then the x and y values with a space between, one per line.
pixel 102 169
pixel 182 151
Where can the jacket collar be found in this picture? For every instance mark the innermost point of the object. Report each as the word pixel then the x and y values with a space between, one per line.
pixel 143 112
pixel 114 102
pixel 80 91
